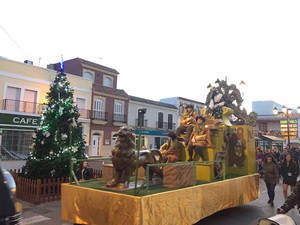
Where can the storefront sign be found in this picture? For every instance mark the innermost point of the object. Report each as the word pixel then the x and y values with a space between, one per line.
pixel 151 132
pixel 19 120
pixel 289 129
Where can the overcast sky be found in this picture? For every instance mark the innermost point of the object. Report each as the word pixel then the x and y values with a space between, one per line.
pixel 166 48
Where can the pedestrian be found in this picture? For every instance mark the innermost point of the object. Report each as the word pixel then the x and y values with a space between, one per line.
pixel 83 173
pixel 271 176
pixel 276 154
pixel 292 200
pixel 289 172
pixel 259 161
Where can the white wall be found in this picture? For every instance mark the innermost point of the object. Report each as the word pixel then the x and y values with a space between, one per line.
pixel 151 115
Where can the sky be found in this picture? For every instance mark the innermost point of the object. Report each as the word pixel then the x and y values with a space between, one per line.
pixel 166 48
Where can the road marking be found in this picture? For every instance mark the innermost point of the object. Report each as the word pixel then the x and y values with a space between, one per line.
pixel 34 219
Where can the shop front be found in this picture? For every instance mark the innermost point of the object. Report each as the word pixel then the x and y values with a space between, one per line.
pixel 16 135
pixel 151 138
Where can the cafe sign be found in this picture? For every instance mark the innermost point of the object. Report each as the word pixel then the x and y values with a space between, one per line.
pixel 14 120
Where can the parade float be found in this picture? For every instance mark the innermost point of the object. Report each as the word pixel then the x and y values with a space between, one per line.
pixel 207 165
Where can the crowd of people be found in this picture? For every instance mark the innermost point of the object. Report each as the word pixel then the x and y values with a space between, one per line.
pixel 273 164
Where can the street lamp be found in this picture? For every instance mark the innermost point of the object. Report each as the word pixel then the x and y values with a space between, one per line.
pixel 141 113
pixel 286 112
pixel 275 111
pixel 284 109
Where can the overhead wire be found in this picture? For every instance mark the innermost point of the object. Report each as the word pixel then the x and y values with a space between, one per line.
pixel 14 41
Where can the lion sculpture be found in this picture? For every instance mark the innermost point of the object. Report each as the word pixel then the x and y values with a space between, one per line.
pixel 124 157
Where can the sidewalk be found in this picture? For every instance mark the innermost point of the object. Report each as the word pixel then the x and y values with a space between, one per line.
pixel 45 213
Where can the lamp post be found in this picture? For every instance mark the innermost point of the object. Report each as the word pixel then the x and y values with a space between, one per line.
pixel 141 113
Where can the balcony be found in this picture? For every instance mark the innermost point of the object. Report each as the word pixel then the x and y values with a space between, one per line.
pixel 98 115
pixel 120 118
pixel 84 113
pixel 21 106
pixel 165 125
pixel 32 107
pixel 144 123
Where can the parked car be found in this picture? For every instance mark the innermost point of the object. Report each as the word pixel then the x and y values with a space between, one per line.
pixel 10 209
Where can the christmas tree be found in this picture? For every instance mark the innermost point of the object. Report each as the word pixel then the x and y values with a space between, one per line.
pixel 59 137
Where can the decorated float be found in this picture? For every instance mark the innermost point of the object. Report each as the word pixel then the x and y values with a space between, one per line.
pixel 206 166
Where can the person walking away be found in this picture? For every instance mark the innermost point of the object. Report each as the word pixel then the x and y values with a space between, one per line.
pixel 271 176
pixel 83 173
pixel 289 171
pixel 277 154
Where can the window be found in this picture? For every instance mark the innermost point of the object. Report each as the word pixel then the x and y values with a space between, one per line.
pixel 157 142
pixel 118 114
pixel 170 121
pixel 141 120
pixel 118 108
pixel 29 103
pixel 107 81
pixel 12 99
pixel 81 107
pixel 143 142
pixel 160 122
pixel 18 142
pixel 98 109
pixel 87 75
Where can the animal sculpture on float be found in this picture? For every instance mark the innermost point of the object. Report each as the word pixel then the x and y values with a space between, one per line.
pixel 124 159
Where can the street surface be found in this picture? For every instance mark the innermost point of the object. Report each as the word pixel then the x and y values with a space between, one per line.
pixel 248 214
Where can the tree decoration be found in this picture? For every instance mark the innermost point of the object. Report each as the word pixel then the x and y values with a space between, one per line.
pixel 59 132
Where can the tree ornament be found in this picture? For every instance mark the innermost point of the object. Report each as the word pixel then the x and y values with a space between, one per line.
pixel 64 136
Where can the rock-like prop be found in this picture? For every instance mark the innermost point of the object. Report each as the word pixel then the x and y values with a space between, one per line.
pixel 177 176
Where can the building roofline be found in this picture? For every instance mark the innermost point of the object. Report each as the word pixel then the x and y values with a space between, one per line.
pixel 148 101
pixel 96 65
pixel 187 99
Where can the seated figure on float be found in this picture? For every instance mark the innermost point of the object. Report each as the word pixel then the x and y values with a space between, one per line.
pixel 173 150
pixel 187 123
pixel 199 140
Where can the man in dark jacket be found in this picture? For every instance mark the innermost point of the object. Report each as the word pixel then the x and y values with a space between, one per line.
pixel 292 200
pixel 7 207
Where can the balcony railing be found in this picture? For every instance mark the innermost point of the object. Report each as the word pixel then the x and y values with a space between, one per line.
pixel 32 107
pixel 120 118
pixel 165 125
pixel 98 115
pixel 144 123
pixel 21 106
pixel 84 113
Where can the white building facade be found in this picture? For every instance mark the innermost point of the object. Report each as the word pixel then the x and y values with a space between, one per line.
pixel 180 103
pixel 160 118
